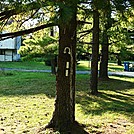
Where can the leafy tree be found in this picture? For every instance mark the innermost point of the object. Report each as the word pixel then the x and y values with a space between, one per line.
pixel 41 45
pixel 112 8
pixel 120 40
pixel 63 117
pixel 64 15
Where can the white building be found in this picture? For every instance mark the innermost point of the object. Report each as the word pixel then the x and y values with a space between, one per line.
pixel 9 49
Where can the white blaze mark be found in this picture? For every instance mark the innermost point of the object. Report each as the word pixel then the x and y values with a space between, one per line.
pixel 66 72
pixel 67 65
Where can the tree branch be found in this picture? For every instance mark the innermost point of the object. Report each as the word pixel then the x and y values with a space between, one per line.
pixel 83 22
pixel 21 9
pixel 86 31
pixel 89 43
pixel 27 31
pixel 32 15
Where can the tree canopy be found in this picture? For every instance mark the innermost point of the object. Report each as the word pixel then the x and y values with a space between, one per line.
pixel 108 17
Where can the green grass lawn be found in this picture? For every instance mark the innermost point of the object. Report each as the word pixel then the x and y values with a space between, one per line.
pixel 27 103
pixel 25 65
pixel 84 65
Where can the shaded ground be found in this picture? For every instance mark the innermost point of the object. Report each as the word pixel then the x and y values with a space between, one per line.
pixel 24 94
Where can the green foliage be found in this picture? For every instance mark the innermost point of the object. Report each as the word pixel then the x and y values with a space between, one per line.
pixel 39 46
pixel 120 40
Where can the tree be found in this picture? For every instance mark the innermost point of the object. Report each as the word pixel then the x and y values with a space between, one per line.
pixel 111 7
pixel 95 50
pixel 103 73
pixel 63 117
pixel 121 36
pixel 41 45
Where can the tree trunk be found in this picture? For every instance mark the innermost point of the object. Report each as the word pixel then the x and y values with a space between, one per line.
pixel 53 59
pixel 119 60
pixel 95 53
pixel 53 65
pixel 63 116
pixel 103 73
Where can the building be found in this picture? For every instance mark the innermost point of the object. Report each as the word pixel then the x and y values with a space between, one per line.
pixel 9 49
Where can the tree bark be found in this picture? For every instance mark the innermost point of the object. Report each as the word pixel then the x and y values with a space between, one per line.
pixel 95 53
pixel 53 65
pixel 53 57
pixel 103 73
pixel 119 60
pixel 63 116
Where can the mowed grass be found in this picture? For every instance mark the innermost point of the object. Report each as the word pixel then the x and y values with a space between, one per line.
pixel 25 65
pixel 27 103
pixel 112 111
pixel 86 65
pixel 83 66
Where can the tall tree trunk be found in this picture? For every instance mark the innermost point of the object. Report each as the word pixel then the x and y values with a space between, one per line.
pixel 95 53
pixel 53 65
pixel 119 60
pixel 63 116
pixel 103 73
pixel 53 58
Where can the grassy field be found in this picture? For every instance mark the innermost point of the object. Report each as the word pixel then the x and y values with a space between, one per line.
pixel 27 103
pixel 25 65
pixel 84 65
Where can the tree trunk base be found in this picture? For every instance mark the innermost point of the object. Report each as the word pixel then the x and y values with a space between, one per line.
pixel 76 128
pixel 104 79
pixel 94 93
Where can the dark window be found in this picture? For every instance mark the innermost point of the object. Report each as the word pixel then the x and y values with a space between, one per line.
pixel 2 52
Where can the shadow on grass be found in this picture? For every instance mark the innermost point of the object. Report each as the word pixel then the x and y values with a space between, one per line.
pixel 114 96
pixel 27 83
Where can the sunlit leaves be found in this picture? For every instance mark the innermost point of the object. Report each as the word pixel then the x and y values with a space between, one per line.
pixel 40 45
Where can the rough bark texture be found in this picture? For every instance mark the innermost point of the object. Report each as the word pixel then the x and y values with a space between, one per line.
pixel 63 116
pixel 95 51
pixel 53 58
pixel 103 74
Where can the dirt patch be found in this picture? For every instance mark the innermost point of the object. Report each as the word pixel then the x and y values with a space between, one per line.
pixel 119 126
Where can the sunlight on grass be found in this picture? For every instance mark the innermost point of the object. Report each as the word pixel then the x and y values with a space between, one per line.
pixel 114 67
pixel 27 103
pixel 112 110
pixel 22 113
pixel 84 65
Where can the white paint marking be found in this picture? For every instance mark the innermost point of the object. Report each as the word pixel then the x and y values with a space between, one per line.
pixel 67 64
pixel 66 72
